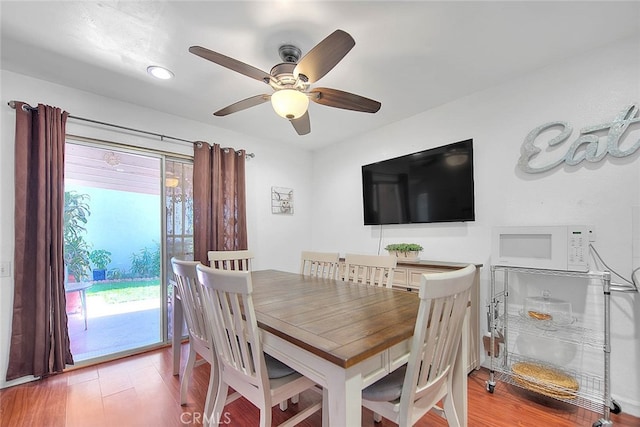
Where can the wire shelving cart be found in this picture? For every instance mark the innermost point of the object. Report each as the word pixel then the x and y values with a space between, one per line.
pixel 589 389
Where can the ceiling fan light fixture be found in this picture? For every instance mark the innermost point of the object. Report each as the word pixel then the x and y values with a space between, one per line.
pixel 289 103
pixel 171 182
pixel 159 72
pixel 455 157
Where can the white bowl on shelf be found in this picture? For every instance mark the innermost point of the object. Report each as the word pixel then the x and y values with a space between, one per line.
pixel 550 350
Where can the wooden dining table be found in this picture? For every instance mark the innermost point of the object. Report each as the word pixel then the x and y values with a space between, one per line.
pixel 344 336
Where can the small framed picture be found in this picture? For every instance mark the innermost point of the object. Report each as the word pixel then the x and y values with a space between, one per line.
pixel 282 200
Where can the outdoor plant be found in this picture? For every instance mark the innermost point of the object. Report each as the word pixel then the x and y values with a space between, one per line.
pixel 116 273
pixel 403 247
pixel 146 262
pixel 76 257
pixel 100 258
pixel 76 249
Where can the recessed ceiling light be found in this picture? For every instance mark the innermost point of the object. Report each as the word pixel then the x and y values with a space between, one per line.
pixel 159 72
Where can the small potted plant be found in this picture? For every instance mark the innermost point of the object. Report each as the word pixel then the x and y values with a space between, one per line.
pixel 100 259
pixel 405 251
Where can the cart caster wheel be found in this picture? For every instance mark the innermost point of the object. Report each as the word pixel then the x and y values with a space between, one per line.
pixel 615 408
pixel 597 424
pixel 490 387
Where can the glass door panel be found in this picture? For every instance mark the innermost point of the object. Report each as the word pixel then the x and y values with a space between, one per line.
pixel 179 221
pixel 112 238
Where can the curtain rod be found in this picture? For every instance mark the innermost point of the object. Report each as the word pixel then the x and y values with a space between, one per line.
pixel 12 104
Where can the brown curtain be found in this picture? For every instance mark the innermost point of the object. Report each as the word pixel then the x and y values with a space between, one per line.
pixel 39 335
pixel 219 206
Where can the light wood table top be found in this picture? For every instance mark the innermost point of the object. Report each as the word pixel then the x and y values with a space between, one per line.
pixel 341 322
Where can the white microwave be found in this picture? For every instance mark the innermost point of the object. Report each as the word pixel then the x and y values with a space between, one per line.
pixel 556 247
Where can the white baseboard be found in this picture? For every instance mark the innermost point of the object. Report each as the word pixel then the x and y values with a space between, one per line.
pixel 631 407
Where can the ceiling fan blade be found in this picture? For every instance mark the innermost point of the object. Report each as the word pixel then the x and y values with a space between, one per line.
pixel 302 125
pixel 230 63
pixel 325 55
pixel 242 105
pixel 345 100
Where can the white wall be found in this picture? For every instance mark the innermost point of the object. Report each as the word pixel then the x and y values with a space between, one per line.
pixel 276 239
pixel 583 91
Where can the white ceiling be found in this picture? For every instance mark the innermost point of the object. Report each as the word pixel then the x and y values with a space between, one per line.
pixel 410 56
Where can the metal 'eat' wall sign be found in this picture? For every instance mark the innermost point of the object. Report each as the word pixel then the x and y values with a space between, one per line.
pixel 576 153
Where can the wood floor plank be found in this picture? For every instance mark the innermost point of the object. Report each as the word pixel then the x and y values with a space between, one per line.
pixel 114 382
pixel 82 375
pixel 123 409
pixel 141 391
pixel 84 404
pixel 41 402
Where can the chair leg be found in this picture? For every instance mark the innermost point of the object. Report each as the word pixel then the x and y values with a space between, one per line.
pixel 265 416
pixel 211 391
pixel 218 407
pixel 186 374
pixel 285 404
pixel 450 411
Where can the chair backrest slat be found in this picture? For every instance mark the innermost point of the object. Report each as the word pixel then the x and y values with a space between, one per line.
pixel 319 264
pixel 375 270
pixel 230 260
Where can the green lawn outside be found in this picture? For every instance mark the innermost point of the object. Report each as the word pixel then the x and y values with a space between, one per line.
pixel 125 291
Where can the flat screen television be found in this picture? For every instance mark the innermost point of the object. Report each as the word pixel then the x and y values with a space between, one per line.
pixel 434 185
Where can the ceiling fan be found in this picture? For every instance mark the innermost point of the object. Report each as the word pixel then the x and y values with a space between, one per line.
pixel 291 81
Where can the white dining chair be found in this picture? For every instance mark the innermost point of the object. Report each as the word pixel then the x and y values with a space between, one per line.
pixel 239 261
pixel 375 270
pixel 319 264
pixel 261 379
pixel 200 341
pixel 408 393
pixel 230 260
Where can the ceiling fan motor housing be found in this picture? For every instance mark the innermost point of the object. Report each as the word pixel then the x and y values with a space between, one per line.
pixel 283 77
pixel 289 53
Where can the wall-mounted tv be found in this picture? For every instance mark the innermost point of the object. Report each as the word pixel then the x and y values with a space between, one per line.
pixel 434 185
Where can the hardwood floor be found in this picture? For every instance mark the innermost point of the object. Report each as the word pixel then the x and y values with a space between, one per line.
pixel 141 391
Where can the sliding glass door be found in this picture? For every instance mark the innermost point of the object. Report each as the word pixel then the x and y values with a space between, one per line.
pixel 126 213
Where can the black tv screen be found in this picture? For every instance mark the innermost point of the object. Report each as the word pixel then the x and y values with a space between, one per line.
pixel 434 185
